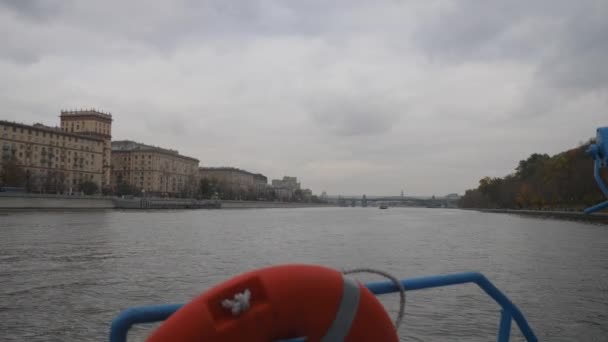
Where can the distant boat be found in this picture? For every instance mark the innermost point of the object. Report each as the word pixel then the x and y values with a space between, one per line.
pixel 383 206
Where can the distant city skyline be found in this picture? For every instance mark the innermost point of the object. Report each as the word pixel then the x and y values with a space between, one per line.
pixel 350 97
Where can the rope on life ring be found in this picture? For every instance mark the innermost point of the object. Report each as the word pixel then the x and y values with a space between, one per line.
pixel 392 278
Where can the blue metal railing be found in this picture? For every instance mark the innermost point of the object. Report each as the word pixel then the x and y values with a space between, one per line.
pixel 599 153
pixel 149 314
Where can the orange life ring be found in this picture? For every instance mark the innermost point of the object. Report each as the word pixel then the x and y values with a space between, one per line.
pixel 282 302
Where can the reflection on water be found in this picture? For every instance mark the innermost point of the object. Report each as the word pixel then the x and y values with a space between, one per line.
pixel 63 276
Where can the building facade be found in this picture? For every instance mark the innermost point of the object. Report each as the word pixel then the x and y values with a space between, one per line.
pixel 52 159
pixel 307 195
pixel 285 188
pixel 153 170
pixel 261 185
pixel 234 183
pixel 94 124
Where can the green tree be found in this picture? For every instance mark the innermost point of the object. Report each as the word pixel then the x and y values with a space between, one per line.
pixel 206 188
pixel 251 195
pixel 270 195
pixel 12 174
pixel 54 182
pixel 125 189
pixel 530 166
pixel 106 190
pixel 88 187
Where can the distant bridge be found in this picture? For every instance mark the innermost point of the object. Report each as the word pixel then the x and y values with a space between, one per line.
pixel 395 201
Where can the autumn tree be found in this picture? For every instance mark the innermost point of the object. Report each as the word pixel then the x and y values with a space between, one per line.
pixel 11 173
pixel 541 181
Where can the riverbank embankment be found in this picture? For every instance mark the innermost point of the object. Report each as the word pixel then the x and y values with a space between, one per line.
pixel 21 201
pixel 566 215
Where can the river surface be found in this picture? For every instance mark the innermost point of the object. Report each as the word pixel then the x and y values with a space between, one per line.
pixel 64 275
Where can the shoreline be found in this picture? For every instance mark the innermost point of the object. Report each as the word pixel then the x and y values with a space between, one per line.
pixel 562 215
pixel 33 202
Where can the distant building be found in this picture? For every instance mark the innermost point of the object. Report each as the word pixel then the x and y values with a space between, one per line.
pixel 59 159
pixel 261 184
pixel 286 187
pixel 152 169
pixel 94 124
pixel 287 182
pixel 235 183
pixel 306 195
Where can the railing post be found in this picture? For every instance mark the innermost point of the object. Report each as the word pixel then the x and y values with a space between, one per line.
pixel 504 331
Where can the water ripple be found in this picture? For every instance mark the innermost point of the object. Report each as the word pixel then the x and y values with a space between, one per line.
pixel 63 276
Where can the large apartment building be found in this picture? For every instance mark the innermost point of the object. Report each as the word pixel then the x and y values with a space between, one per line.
pixel 286 187
pixel 234 182
pixel 59 159
pixel 152 169
pixel 93 124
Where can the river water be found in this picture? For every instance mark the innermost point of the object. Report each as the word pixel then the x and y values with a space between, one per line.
pixel 64 275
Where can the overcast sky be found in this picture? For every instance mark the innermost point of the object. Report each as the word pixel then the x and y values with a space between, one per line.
pixel 351 96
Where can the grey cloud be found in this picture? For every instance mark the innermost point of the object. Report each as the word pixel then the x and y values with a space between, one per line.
pixel 19 55
pixel 477 29
pixel 565 40
pixel 165 26
pixel 354 116
pixel 34 9
pixel 427 95
pixel 579 62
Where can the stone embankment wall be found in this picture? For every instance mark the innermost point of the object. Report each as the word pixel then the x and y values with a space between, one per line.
pixel 46 201
pixel 42 201
pixel 263 204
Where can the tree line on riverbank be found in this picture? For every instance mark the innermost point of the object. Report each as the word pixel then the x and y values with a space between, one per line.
pixel 563 181
pixel 16 178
